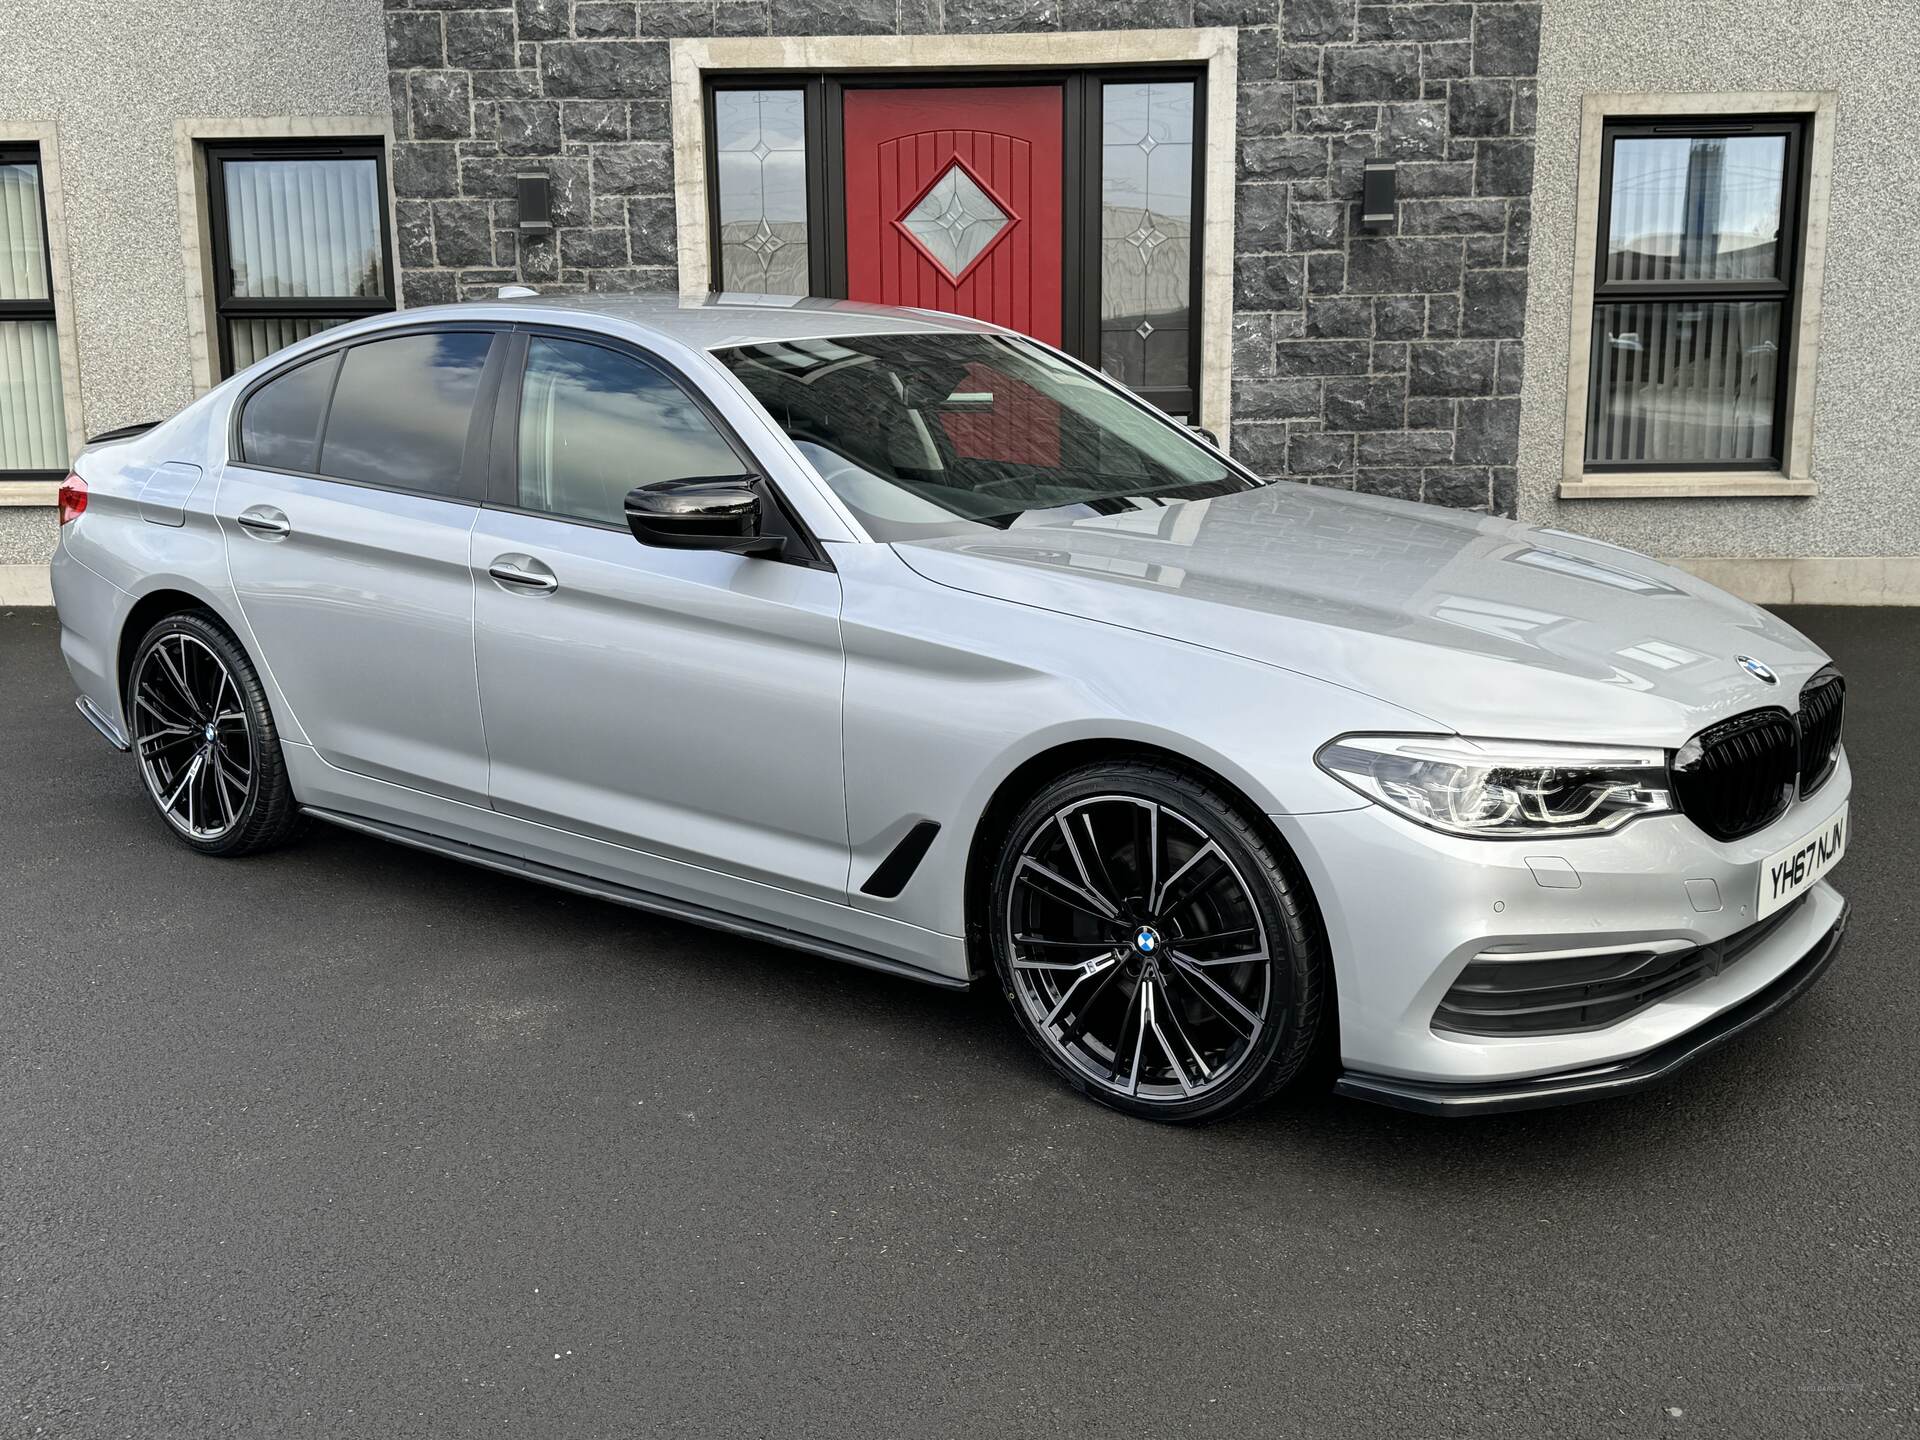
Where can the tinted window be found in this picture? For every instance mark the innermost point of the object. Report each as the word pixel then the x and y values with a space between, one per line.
pixel 401 409
pixel 280 427
pixel 594 424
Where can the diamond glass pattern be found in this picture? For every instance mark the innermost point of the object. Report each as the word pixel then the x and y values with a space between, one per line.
pixel 956 220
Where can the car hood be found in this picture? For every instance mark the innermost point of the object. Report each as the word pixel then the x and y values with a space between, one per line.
pixel 1480 624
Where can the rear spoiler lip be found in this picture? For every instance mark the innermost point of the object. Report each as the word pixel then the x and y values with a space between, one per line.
pixel 123 432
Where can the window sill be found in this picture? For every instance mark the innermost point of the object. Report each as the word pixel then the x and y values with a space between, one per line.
pixel 1686 485
pixel 29 492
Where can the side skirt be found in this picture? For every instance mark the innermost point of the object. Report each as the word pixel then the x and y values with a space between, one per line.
pixel 637 899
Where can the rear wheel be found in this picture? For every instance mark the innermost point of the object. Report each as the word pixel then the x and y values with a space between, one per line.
pixel 205 740
pixel 1153 945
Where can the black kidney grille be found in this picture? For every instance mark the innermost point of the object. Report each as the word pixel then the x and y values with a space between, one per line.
pixel 1820 705
pixel 1740 775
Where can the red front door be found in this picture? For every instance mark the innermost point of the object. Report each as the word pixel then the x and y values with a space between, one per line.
pixel 954 200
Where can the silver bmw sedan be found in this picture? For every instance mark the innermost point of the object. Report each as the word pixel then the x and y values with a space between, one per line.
pixel 902 639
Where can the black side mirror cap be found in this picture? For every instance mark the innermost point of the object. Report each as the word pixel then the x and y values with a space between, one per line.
pixel 1206 435
pixel 701 512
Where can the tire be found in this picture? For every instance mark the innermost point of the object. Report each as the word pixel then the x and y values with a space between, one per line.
pixel 205 741
pixel 1228 953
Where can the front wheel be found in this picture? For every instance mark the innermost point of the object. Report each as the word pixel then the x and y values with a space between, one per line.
pixel 1153 945
pixel 205 739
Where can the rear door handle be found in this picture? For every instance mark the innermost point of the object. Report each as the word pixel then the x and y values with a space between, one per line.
pixel 523 573
pixel 266 522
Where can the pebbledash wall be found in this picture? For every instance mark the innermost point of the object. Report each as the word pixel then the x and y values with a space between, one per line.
pixel 1388 363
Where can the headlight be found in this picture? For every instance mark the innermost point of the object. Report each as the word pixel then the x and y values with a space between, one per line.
pixel 1502 788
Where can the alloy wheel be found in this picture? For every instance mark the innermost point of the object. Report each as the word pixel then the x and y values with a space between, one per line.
pixel 190 731
pixel 1138 950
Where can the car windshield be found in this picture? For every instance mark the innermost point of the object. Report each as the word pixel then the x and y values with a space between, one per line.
pixel 938 434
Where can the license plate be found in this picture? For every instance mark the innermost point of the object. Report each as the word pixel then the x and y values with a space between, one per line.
pixel 1795 870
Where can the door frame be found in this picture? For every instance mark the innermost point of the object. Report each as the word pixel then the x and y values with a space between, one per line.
pixel 824 67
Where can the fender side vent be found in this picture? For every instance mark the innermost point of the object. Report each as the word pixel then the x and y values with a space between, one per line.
pixel 892 874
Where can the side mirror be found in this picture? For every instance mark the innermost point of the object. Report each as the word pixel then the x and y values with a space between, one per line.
pixel 703 512
pixel 1206 435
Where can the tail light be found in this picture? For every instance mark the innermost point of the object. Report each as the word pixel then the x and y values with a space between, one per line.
pixel 73 498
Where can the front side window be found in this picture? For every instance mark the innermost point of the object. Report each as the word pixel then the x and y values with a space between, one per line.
pixel 923 435
pixel 594 423
pixel 299 243
pixel 401 411
pixel 33 425
pixel 1693 296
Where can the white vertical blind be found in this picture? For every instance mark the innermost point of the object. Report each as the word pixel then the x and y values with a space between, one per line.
pixel 23 256
pixel 1683 381
pixel 255 339
pixel 298 228
pixel 33 430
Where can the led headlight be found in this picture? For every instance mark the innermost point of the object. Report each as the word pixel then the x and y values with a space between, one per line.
pixel 1502 789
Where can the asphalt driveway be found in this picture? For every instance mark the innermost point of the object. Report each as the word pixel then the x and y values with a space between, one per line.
pixel 349 1140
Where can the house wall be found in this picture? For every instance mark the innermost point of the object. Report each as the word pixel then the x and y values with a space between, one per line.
pixel 1387 363
pixel 1867 406
pixel 114 77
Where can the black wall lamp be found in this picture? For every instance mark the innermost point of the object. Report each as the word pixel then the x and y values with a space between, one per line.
pixel 1377 185
pixel 535 196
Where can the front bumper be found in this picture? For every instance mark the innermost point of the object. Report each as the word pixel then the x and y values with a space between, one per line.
pixel 1407 910
pixel 1621 1077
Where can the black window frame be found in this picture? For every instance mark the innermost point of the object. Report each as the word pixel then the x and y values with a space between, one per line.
pixel 1080 250
pixel 1786 287
pixel 28 152
pixel 341 308
pixel 502 488
pixel 475 459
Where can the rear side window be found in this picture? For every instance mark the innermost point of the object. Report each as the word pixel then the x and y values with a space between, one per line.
pixel 401 411
pixel 594 424
pixel 280 428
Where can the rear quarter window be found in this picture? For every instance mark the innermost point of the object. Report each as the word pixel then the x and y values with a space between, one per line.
pixel 280 426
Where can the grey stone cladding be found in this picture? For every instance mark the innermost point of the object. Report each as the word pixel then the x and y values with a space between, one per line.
pixel 1387 362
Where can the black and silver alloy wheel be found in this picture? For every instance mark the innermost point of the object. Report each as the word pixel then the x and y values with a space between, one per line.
pixel 205 739
pixel 1153 946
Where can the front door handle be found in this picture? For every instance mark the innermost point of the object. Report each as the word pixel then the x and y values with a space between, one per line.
pixel 265 522
pixel 523 573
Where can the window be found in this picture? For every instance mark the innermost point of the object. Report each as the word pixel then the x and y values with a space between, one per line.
pixel 1146 239
pixel 33 424
pixel 401 411
pixel 594 423
pixel 760 156
pixel 1696 269
pixel 946 434
pixel 299 243
pixel 280 428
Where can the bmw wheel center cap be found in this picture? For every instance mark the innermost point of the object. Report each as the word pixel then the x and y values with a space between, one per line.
pixel 1146 940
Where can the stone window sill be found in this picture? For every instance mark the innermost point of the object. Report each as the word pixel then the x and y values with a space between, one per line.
pixel 29 492
pixel 1686 485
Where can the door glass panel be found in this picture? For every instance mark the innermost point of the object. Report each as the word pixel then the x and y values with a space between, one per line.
pixel 280 428
pixel 401 410
pixel 955 220
pixel 303 228
pixel 23 256
pixel 1684 381
pixel 595 423
pixel 33 427
pixel 1146 232
pixel 760 144
pixel 1703 207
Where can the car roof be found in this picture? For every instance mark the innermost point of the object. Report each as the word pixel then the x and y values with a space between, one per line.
pixel 716 322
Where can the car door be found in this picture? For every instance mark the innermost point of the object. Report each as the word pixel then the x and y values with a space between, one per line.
pixel 676 704
pixel 347 513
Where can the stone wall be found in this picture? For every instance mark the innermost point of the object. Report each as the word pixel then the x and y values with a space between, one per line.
pixel 1389 363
